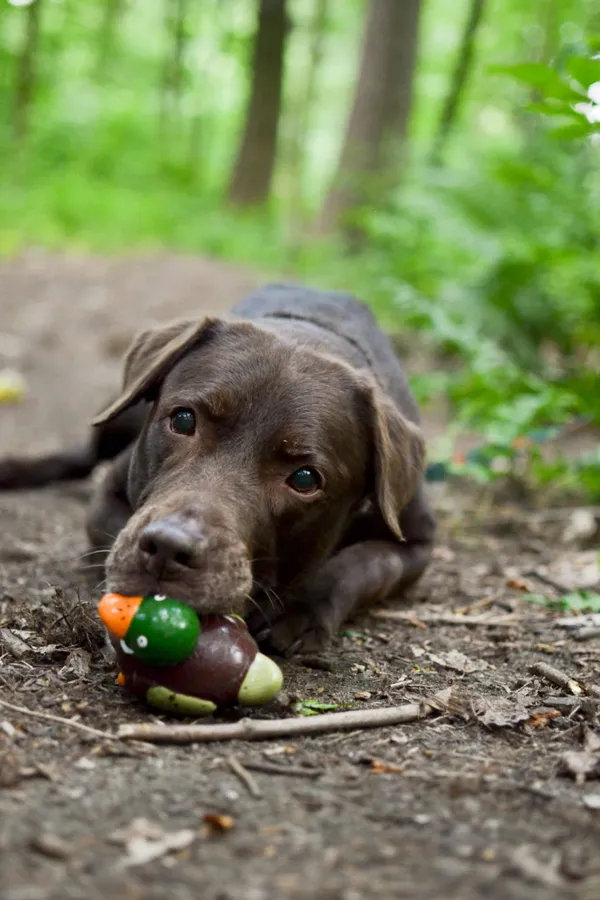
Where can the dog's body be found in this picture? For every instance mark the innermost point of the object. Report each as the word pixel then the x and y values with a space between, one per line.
pixel 269 463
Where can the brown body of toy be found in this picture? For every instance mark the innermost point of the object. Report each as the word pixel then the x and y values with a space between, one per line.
pixel 224 669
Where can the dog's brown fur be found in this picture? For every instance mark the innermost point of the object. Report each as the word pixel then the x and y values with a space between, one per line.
pixel 294 378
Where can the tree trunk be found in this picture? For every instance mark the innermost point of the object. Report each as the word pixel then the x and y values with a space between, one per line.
pixel 459 80
pixel 369 159
pixel 253 170
pixel 172 85
pixel 26 71
pixel 298 143
pixel 111 14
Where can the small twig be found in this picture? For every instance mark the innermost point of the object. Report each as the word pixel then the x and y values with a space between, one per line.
pixel 263 729
pixel 274 769
pixel 480 604
pixel 586 634
pixel 49 717
pixel 545 579
pixel 555 676
pixel 412 618
pixel 244 775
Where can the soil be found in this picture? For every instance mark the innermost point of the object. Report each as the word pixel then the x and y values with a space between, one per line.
pixel 477 801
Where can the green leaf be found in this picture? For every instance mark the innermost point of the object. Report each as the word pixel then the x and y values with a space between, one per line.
pixel 575 601
pixel 314 707
pixel 574 131
pixel 553 108
pixel 537 75
pixel 584 70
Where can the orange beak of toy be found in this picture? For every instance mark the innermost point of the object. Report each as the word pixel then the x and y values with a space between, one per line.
pixel 117 612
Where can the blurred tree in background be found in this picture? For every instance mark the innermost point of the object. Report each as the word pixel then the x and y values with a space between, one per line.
pixel 438 157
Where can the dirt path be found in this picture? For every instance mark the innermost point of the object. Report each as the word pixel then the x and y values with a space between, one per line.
pixel 453 808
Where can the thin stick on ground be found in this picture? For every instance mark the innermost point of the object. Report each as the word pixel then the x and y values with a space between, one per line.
pixel 275 769
pixel 264 729
pixel 414 618
pixel 244 775
pixel 555 676
pixel 50 717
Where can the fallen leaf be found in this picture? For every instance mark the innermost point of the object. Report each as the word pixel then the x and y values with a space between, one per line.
pixel 453 701
pixel 218 824
pixel 362 695
pixel 591 741
pixel 541 718
pixel 581 764
pixel 379 767
pixel 7 728
pixel 78 662
pixel 525 861
pixel 581 526
pixel 280 750
pixel 315 707
pixel 13 386
pixel 500 712
pixel 454 659
pixel 577 571
pixel 144 842
pixel 517 583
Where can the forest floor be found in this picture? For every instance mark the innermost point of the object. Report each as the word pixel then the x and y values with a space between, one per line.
pixel 482 800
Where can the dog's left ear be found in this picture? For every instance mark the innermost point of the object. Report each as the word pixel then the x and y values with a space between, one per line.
pixel 151 355
pixel 398 457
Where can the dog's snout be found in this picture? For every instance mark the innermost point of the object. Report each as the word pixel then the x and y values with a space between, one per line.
pixel 168 543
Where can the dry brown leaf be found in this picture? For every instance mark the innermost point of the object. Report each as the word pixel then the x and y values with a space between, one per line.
pixel 379 767
pixel 453 701
pixel 540 719
pixel 500 712
pixel 459 662
pixel 218 824
pixel 517 583
pixel 78 662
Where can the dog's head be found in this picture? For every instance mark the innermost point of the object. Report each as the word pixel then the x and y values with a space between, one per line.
pixel 255 456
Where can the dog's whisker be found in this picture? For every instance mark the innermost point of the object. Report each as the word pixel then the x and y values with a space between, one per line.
pixel 271 595
pixel 93 553
pixel 259 609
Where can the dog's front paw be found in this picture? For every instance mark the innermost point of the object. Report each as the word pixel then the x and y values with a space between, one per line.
pixel 304 629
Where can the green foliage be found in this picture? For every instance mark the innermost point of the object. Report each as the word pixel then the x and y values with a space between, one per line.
pixel 575 601
pixel 316 707
pixel 496 262
pixel 492 259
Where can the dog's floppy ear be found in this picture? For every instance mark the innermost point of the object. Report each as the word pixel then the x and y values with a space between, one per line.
pixel 398 457
pixel 151 355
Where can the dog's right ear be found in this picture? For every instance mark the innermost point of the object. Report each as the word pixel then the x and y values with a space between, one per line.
pixel 151 356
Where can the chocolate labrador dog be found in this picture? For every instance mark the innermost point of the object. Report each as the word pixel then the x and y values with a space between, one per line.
pixel 268 463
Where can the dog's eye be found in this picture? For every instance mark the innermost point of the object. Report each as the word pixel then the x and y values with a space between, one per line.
pixel 183 421
pixel 305 480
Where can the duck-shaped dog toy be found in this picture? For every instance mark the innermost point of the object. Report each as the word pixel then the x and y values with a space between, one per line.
pixel 186 664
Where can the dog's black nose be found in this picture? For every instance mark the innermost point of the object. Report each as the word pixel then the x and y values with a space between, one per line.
pixel 167 543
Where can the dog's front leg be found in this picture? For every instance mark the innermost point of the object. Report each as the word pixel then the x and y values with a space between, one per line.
pixel 364 572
